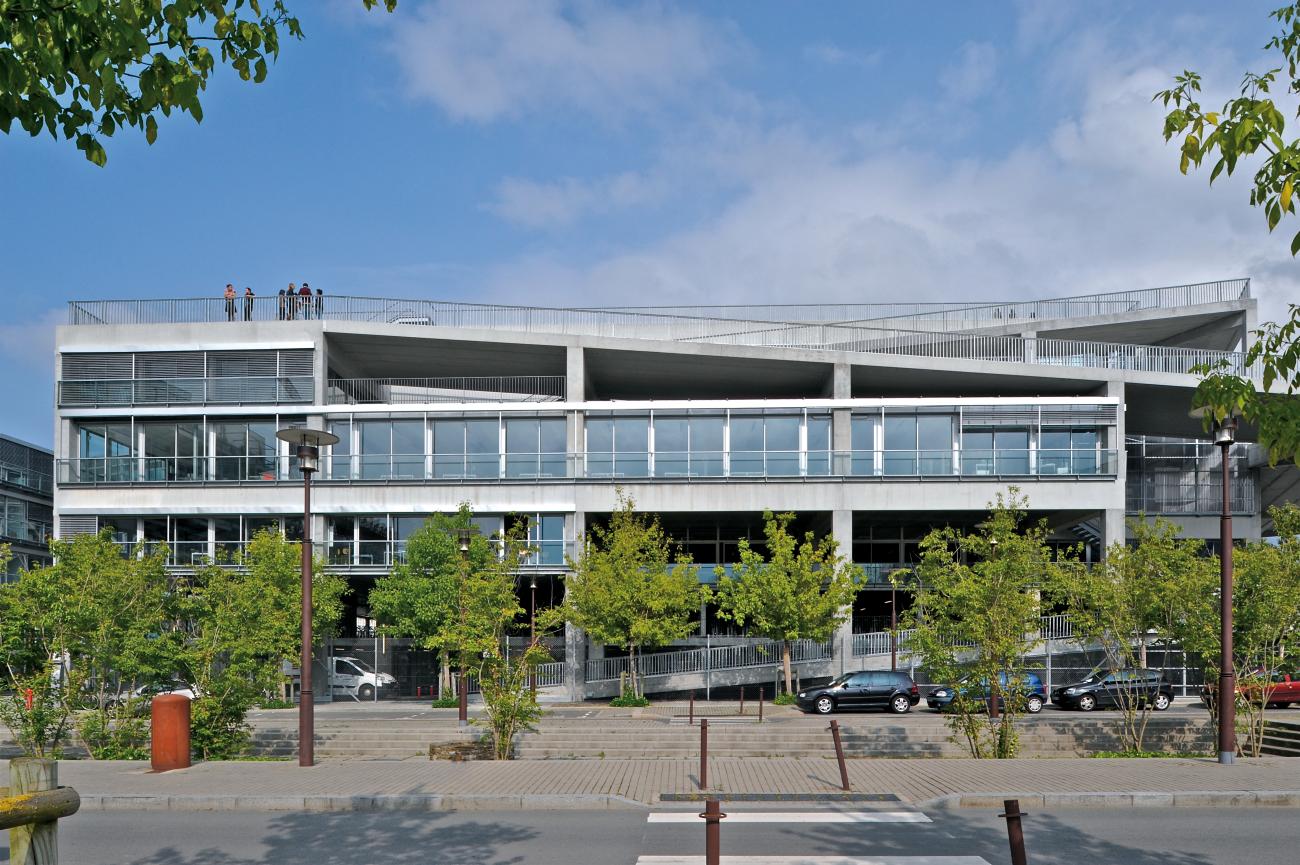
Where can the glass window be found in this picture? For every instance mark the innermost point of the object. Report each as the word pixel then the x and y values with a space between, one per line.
pixel 263 448
pixel 408 449
pixel 1011 448
pixel 535 447
pixel 1054 452
pixel 632 447
pixel 862 429
pixel 341 453
pixel 672 444
pixel 600 447
pixel 552 433
pixel 819 444
pixel 1084 455
pixel 341 540
pixel 746 445
pixel 977 452
pixel 449 449
pixel 374 441
pixel 900 445
pixel 706 446
pixel 483 448
pixel 189 540
pixel 934 443
pixel 782 445
pixel 372 535
pixel 227 536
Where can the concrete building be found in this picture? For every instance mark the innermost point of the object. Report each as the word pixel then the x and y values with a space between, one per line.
pixel 26 504
pixel 874 422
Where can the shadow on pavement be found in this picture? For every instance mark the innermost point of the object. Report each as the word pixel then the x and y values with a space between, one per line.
pixel 314 838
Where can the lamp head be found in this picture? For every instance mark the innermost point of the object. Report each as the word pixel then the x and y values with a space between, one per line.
pixel 309 442
pixel 1225 426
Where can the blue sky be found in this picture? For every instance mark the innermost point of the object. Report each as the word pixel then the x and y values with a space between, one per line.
pixel 547 152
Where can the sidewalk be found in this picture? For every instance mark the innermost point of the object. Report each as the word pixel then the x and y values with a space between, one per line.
pixel 366 785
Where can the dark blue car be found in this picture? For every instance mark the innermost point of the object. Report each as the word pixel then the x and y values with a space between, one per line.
pixel 1033 692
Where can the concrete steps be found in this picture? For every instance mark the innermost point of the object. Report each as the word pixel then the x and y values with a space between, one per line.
pixel 1281 738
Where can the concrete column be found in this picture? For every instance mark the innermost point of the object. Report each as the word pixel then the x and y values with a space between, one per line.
pixel 841 429
pixel 1113 527
pixel 575 384
pixel 320 367
pixel 1031 346
pixel 575 641
pixel 842 531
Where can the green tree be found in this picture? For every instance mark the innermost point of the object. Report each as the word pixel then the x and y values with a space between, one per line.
pixel 1135 590
pixel 627 588
pixel 799 591
pixel 977 615
pixel 78 633
pixel 1265 619
pixel 452 602
pixel 86 68
pixel 1252 128
pixel 240 624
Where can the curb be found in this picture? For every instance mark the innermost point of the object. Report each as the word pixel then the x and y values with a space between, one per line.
pixel 386 802
pixel 1183 799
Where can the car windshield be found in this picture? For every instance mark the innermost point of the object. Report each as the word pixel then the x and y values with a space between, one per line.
pixel 360 665
pixel 839 680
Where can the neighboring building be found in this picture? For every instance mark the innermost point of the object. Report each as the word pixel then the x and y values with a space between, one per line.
pixel 874 422
pixel 26 504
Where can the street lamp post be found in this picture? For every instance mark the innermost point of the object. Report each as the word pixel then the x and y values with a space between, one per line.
pixel 532 630
pixel 309 443
pixel 463 536
pixel 893 628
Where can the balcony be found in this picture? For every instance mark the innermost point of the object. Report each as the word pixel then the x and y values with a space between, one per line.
pixel 882 465
pixel 231 390
pixel 21 476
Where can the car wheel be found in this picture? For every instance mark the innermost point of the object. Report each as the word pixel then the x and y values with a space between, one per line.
pixel 900 705
pixel 366 692
pixel 1162 702
pixel 824 705
pixel 1034 705
pixel 1087 703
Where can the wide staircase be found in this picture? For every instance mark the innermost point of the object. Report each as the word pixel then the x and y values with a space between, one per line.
pixel 1281 738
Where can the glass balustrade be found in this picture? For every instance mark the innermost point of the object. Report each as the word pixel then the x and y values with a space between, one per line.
pixel 954 463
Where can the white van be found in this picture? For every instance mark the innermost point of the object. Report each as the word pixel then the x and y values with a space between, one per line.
pixel 353 677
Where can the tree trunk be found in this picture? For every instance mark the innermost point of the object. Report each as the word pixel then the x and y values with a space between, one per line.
pixel 1142 650
pixel 444 682
pixel 785 663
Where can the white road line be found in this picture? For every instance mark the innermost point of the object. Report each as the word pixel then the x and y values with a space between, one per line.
pixel 793 817
pixel 816 860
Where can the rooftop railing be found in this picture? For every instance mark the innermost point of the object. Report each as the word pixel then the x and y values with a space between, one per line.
pixel 697 328
pixel 465 389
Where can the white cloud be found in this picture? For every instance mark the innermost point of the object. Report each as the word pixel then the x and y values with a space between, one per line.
pixel 834 55
pixel 560 203
pixel 972 74
pixel 481 61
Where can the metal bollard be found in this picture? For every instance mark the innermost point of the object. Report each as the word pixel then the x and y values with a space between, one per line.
pixel 691 716
pixel 169 733
pixel 760 705
pixel 1015 833
pixel 704 753
pixel 742 701
pixel 712 832
pixel 839 755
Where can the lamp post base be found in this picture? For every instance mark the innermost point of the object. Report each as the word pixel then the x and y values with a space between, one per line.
pixel 1227 758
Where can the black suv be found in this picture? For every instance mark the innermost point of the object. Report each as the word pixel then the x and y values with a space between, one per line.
pixel 1115 688
pixel 868 690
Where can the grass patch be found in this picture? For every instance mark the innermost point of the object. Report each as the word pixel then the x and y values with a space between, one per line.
pixel 627 701
pixel 255 758
pixel 445 703
pixel 276 704
pixel 785 699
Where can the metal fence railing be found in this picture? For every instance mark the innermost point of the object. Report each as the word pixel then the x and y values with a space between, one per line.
pixel 697 327
pixel 755 653
pixel 550 674
pixel 460 389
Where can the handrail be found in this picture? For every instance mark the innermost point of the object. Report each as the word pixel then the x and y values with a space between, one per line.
pixel 39 807
pixel 749 653
pixel 397 391
pixel 699 327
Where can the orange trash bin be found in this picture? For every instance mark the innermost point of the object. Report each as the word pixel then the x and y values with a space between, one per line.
pixel 170 734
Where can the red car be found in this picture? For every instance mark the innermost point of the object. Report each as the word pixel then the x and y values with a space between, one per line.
pixel 1285 690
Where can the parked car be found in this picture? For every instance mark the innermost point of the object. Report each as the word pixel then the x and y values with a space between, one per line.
pixel 874 689
pixel 143 694
pixel 1284 690
pixel 1114 688
pixel 1032 691
pixel 353 677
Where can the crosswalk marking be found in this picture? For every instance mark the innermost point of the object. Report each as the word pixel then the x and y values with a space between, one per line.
pixel 816 860
pixel 794 817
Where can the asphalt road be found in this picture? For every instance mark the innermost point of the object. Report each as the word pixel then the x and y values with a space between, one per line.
pixel 1146 836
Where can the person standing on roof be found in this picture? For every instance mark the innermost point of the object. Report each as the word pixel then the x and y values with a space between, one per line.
pixel 320 303
pixel 304 299
pixel 281 313
pixel 230 302
pixel 291 301
pixel 248 303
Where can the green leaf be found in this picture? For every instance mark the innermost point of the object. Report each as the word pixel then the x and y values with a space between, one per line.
pixel 150 129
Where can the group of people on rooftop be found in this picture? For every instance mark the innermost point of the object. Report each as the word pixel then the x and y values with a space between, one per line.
pixel 294 303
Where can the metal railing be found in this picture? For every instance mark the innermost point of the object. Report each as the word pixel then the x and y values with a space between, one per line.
pixel 755 653
pixel 550 674
pixel 954 315
pixel 231 390
pixel 1057 627
pixel 24 477
pixel 1152 494
pixel 463 389
pixel 697 327
pixel 953 464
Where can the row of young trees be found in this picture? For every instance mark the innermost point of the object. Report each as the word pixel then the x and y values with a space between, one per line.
pixel 88 636
pixel 979 597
